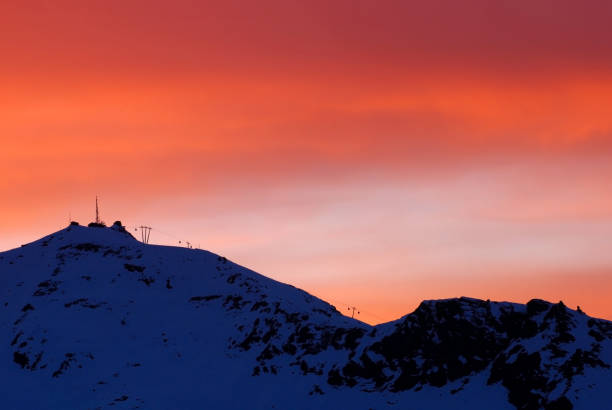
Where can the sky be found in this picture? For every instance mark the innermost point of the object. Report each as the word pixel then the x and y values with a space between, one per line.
pixel 373 153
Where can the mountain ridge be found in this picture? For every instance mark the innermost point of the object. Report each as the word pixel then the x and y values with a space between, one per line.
pixel 92 307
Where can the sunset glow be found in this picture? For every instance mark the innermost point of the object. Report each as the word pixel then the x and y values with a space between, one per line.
pixel 371 153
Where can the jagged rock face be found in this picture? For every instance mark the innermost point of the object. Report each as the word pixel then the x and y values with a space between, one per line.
pixel 92 318
pixel 530 350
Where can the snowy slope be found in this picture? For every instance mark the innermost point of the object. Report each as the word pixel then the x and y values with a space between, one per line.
pixel 92 318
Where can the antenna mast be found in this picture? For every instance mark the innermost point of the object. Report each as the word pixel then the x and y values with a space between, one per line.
pixel 97 213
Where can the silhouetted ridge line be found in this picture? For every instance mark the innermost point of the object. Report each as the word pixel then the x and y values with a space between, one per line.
pixel 92 315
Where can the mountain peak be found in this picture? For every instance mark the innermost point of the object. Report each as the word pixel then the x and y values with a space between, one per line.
pixel 92 316
pixel 94 233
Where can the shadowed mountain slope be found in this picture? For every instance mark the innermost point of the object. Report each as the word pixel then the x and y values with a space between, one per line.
pixel 92 318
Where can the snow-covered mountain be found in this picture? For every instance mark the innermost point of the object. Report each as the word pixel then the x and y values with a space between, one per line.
pixel 91 318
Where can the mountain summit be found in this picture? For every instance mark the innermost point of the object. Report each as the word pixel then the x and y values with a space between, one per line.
pixel 91 318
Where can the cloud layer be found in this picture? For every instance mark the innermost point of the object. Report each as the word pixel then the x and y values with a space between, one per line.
pixel 378 152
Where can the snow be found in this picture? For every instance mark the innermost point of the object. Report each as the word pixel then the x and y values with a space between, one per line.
pixel 107 321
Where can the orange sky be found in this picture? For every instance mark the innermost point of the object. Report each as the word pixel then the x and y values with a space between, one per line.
pixel 373 153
